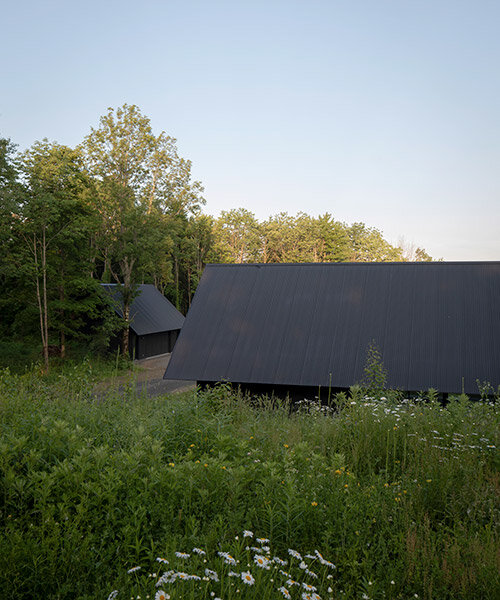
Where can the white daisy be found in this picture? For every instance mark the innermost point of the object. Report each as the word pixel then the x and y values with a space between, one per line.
pixel 228 559
pixel 247 578
pixel 211 575
pixel 134 569
pixel 261 561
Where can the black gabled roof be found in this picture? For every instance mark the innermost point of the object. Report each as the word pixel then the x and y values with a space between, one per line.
pixel 150 311
pixel 436 324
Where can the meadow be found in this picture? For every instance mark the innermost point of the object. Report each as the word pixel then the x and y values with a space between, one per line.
pixel 212 495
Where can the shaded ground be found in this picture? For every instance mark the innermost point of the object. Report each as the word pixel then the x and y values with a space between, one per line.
pixel 147 377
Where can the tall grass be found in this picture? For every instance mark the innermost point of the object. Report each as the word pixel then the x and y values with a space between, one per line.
pixel 402 496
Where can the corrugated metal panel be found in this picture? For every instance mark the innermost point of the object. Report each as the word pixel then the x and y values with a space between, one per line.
pixel 436 324
pixel 150 311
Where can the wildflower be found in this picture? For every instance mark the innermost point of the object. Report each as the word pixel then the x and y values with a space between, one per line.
pixel 134 569
pixel 285 592
pixel 162 560
pixel 261 561
pixel 291 582
pixel 278 561
pixel 307 596
pixel 311 574
pixel 199 551
pixel 262 540
pixel 233 574
pixel 183 555
pixel 211 575
pixel 168 577
pixel 303 565
pixel 161 595
pixel 314 504
pixel 285 445
pixel 247 578
pixel 228 559
pixel 171 464
pixel 294 553
pixel 308 587
pixel 113 595
pixel 247 533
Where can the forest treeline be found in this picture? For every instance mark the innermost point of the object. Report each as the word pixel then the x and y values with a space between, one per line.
pixel 122 207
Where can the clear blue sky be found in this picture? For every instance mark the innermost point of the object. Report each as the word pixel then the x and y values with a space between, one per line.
pixel 381 111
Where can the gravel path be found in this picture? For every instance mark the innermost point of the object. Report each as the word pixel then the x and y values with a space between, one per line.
pixel 148 379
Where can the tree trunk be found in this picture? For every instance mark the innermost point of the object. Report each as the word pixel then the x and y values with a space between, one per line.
pixel 62 334
pixel 177 299
pixel 126 269
pixel 126 331
pixel 45 305
pixel 45 347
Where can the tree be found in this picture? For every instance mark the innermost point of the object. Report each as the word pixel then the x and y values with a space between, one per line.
pixel 368 245
pixel 143 187
pixel 238 236
pixel 10 192
pixel 52 228
pixel 303 238
pixel 411 253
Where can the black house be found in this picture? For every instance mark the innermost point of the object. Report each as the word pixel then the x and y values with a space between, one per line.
pixel 300 326
pixel 155 323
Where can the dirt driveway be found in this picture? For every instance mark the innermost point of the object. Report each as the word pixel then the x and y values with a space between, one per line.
pixel 147 376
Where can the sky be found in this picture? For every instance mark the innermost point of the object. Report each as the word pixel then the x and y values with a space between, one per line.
pixel 380 111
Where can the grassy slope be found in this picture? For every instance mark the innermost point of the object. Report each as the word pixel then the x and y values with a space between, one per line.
pixel 389 492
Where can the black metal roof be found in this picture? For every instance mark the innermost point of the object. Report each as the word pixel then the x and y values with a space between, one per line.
pixel 150 311
pixel 436 324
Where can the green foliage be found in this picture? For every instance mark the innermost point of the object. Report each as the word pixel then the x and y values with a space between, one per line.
pixel 375 375
pixel 240 237
pixel 92 486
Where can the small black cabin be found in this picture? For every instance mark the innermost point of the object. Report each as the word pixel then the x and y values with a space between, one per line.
pixel 301 326
pixel 155 323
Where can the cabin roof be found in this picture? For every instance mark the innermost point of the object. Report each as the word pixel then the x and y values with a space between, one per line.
pixel 150 311
pixel 436 324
